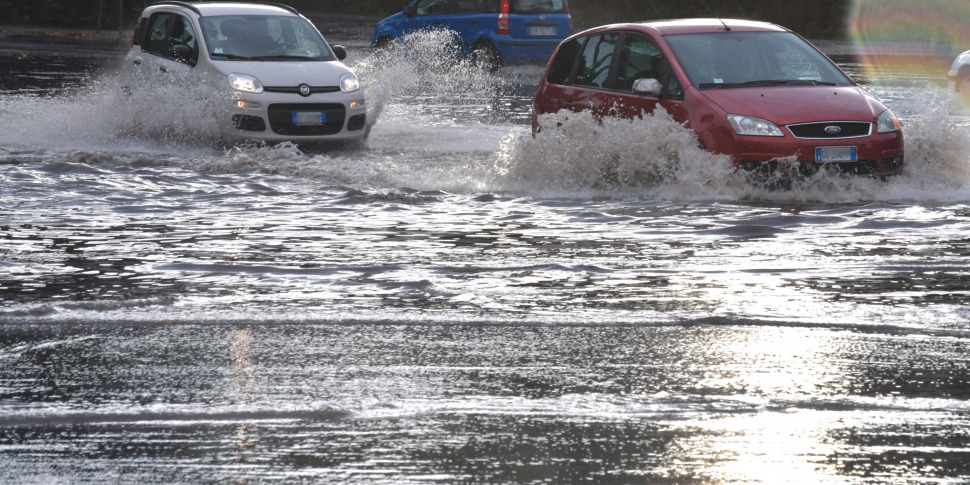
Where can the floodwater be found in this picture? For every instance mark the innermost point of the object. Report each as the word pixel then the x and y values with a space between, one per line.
pixel 458 302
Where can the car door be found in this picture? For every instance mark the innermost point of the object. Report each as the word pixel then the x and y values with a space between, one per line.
pixel 603 73
pixel 460 16
pixel 591 85
pixel 170 44
pixel 640 58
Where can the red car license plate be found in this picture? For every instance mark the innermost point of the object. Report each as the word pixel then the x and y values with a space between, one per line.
pixel 836 154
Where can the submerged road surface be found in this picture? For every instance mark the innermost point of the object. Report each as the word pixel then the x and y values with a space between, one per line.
pixel 459 302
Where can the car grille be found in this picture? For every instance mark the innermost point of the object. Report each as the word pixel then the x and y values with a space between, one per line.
pixel 281 119
pixel 296 89
pixel 826 129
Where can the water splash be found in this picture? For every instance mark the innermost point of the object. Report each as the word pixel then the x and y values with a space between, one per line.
pixel 653 156
pixel 657 158
pixel 426 67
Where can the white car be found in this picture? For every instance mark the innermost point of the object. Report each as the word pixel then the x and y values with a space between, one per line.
pixel 281 79
pixel 959 76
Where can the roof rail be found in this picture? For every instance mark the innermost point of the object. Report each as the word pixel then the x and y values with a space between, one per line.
pixel 196 10
pixel 180 4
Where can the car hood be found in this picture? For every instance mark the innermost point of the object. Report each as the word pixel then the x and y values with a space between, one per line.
pixel 287 73
pixel 785 105
pixel 398 17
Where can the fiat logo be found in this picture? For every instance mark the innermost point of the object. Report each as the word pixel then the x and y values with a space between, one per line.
pixel 305 91
pixel 832 129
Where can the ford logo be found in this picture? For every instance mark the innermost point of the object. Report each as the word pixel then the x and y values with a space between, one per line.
pixel 832 129
pixel 305 91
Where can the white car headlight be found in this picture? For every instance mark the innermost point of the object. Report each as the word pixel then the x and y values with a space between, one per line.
pixel 349 83
pixel 749 125
pixel 887 122
pixel 244 83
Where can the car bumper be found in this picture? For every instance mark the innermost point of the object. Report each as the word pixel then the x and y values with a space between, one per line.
pixel 880 154
pixel 320 117
pixel 513 50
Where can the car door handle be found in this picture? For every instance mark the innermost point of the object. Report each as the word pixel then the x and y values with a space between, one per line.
pixel 162 68
pixel 474 21
pixel 437 22
pixel 137 62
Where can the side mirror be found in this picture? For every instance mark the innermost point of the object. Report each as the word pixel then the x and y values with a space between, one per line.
pixel 339 51
pixel 647 87
pixel 182 53
pixel 411 10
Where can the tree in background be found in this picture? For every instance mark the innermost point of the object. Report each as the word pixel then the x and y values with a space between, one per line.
pixel 811 18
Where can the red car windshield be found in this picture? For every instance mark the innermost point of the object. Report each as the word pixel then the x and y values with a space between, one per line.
pixel 749 59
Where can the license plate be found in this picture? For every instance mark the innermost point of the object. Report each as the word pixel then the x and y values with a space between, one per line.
pixel 309 118
pixel 836 154
pixel 542 31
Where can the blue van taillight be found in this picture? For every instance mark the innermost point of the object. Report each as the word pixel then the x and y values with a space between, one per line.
pixel 503 19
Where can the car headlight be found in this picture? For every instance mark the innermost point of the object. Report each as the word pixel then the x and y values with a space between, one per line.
pixel 887 122
pixel 749 125
pixel 349 83
pixel 244 83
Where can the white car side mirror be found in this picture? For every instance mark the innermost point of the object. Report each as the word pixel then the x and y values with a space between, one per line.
pixel 647 87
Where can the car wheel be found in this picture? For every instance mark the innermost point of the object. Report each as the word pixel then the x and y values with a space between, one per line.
pixel 384 42
pixel 963 83
pixel 485 56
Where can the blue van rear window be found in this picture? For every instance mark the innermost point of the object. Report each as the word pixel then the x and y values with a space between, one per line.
pixel 537 6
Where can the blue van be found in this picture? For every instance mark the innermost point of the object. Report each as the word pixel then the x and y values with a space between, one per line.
pixel 492 32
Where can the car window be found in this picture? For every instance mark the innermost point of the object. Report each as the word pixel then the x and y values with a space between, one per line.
pixel 640 58
pixel 434 7
pixel 263 37
pixel 562 65
pixel 183 33
pixel 167 30
pixel 158 30
pixel 537 6
pixel 596 59
pixel 672 88
pixel 469 6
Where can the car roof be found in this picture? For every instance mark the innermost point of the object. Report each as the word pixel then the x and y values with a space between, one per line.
pixel 215 7
pixel 697 26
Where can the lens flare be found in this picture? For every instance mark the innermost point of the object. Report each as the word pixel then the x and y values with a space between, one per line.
pixel 900 39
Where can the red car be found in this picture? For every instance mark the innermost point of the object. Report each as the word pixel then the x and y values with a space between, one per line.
pixel 755 91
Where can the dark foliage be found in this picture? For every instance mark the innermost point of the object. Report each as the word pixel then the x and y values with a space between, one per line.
pixel 811 18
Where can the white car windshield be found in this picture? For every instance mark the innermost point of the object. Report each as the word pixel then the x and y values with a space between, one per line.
pixel 259 37
pixel 749 59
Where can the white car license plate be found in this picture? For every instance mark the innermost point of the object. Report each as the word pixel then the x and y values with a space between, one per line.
pixel 836 154
pixel 542 31
pixel 309 117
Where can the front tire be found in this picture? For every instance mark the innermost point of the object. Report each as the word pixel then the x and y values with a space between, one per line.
pixel 383 42
pixel 963 83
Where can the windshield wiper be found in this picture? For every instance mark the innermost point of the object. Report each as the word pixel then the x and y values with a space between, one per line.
pixel 283 58
pixel 721 85
pixel 766 82
pixel 231 56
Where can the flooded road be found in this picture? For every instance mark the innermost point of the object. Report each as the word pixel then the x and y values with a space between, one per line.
pixel 458 301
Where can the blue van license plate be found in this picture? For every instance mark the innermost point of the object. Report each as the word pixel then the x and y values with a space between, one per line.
pixel 542 31
pixel 836 154
pixel 309 117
